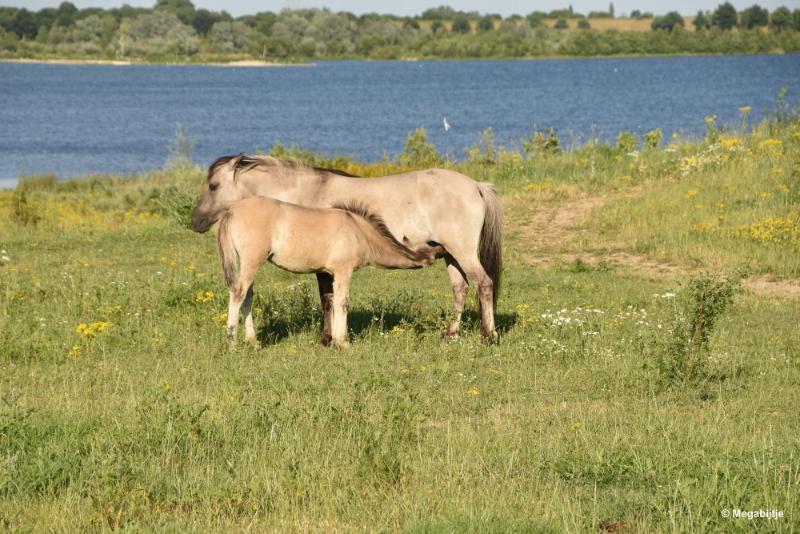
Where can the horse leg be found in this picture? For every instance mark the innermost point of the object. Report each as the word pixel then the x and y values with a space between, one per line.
pixel 239 292
pixel 325 282
pixel 247 311
pixel 460 287
pixel 341 289
pixel 485 289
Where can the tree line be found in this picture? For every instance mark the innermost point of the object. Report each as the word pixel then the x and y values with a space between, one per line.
pixel 177 30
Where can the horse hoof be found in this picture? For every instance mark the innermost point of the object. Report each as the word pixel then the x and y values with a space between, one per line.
pixel 325 340
pixel 253 342
pixel 451 336
pixel 342 344
pixel 492 339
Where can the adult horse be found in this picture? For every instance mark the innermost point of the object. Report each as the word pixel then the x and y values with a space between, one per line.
pixel 432 206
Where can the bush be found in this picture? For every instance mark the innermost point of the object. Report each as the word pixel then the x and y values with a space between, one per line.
pixel 418 152
pixel 653 138
pixel 683 355
pixel 627 142
pixel 543 143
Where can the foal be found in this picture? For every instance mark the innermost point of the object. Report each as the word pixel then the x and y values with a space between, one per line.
pixel 307 240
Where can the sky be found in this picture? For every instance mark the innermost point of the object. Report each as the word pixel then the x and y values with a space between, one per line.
pixel 415 7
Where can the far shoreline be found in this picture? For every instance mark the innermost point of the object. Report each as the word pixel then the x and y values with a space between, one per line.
pixel 126 63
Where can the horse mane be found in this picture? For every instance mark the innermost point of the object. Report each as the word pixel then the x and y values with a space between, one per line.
pixel 246 163
pixel 377 222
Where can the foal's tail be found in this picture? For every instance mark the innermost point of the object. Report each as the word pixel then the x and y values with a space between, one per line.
pixel 491 244
pixel 227 252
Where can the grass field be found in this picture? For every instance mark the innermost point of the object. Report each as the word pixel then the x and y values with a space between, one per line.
pixel 121 407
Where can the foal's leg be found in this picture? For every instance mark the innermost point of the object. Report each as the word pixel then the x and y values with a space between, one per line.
pixel 341 290
pixel 247 311
pixel 239 292
pixel 459 282
pixel 325 282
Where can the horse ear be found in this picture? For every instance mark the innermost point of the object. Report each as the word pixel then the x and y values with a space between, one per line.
pixel 234 164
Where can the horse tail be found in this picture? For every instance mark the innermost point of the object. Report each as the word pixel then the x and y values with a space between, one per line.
pixel 227 251
pixel 491 243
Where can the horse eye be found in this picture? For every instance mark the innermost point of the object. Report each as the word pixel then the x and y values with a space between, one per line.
pixel 213 187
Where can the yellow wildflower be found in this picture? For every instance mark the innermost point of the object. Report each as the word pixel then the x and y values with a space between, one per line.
pixel 204 296
pixel 691 193
pixel 769 144
pixel 90 331
pixel 473 391
pixel 75 351
pixel 745 110
pixel 773 230
pixel 730 144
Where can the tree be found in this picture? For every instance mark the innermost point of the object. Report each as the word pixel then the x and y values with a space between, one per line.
pixel 203 20
pixel 159 32
pixel 561 24
pixel 636 14
pixel 47 16
pixel 439 13
pixel 438 27
pixel 754 16
pixel 701 21
pixel 668 22
pixel 332 32
pixel 781 19
pixel 183 9
pixel 611 10
pixel 23 24
pixel 230 36
pixel 724 17
pixel 536 19
pixel 486 23
pixel 94 29
pixel 583 24
pixel 66 14
pixel 461 24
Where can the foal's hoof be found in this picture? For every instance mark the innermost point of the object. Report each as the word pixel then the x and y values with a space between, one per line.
pixel 447 335
pixel 342 344
pixel 254 343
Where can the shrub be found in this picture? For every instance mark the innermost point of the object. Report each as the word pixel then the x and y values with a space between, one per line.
pixel 543 143
pixel 418 152
pixel 484 152
pixel 683 355
pixel 561 24
pixel 627 142
pixel 653 138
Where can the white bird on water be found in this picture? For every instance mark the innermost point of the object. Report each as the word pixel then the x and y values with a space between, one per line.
pixel 446 124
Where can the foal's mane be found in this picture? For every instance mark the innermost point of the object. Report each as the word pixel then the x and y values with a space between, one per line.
pixel 377 222
pixel 246 163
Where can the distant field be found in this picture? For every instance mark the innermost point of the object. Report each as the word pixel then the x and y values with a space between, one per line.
pixel 123 408
pixel 617 23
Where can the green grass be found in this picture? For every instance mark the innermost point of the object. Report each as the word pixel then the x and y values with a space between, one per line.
pixel 153 424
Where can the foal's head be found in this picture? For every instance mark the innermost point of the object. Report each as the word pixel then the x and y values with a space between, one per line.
pixel 222 190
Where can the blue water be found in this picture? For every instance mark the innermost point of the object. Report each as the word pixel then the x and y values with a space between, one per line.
pixel 76 119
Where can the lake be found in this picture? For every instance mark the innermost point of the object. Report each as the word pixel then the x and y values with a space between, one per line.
pixel 78 119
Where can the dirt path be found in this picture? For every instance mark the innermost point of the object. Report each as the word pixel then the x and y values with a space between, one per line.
pixel 553 233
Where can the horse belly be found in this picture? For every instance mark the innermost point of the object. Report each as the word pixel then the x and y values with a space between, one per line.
pixel 296 263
